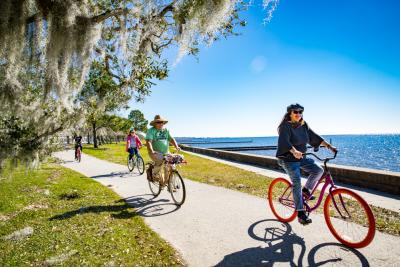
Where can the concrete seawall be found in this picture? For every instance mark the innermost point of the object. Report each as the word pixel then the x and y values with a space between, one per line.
pixel 384 181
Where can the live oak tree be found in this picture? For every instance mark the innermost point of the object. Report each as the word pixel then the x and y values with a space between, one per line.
pixel 138 120
pixel 101 95
pixel 47 47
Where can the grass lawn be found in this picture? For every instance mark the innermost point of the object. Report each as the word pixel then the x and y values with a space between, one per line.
pixel 215 173
pixel 75 220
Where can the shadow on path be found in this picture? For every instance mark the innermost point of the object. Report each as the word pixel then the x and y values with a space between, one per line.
pixel 281 245
pixel 119 211
pixel 114 174
pixel 145 205
pixel 334 252
pixel 151 207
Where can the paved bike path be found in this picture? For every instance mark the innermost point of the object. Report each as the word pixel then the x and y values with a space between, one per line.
pixel 217 226
pixel 373 197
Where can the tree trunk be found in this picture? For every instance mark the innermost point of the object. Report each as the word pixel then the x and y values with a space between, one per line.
pixel 88 138
pixel 94 135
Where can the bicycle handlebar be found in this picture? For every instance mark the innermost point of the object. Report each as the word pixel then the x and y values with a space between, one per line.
pixel 325 159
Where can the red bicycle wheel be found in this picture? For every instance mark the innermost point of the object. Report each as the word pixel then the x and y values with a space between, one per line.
pixel 280 200
pixel 349 218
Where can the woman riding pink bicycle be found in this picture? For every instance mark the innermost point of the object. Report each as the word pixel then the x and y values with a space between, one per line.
pixel 294 135
pixel 133 144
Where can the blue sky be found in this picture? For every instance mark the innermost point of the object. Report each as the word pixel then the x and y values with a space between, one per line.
pixel 339 59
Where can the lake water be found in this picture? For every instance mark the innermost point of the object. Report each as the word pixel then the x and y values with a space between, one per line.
pixel 380 152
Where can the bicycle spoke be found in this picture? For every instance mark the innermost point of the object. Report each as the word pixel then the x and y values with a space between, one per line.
pixel 177 188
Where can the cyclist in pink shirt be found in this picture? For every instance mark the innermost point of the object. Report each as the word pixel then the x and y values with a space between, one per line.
pixel 133 143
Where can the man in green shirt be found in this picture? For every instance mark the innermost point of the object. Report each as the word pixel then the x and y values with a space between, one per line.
pixel 158 140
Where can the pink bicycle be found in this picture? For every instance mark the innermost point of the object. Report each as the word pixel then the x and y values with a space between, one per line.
pixel 347 215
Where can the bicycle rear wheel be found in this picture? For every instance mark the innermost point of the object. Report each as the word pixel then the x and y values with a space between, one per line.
pixel 349 218
pixel 177 188
pixel 154 186
pixel 140 164
pixel 131 164
pixel 280 200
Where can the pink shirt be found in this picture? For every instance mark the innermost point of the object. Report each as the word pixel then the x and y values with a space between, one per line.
pixel 133 141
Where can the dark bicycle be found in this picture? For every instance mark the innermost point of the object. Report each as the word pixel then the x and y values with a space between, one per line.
pixel 347 214
pixel 136 161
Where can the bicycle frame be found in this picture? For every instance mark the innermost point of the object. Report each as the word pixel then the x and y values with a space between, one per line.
pixel 171 167
pixel 328 182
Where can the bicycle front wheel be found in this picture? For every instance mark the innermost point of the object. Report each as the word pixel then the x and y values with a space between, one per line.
pixel 176 187
pixel 131 164
pixel 280 198
pixel 349 218
pixel 140 164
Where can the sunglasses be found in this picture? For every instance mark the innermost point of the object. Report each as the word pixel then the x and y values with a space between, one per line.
pixel 159 122
pixel 297 112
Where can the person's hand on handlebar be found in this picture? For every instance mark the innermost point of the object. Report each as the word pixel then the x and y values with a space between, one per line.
pixel 297 154
pixel 330 147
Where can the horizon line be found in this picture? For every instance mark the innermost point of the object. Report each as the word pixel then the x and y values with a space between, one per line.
pixel 258 136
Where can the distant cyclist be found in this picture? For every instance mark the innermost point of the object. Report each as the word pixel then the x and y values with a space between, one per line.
pixel 294 135
pixel 78 143
pixel 133 143
pixel 158 140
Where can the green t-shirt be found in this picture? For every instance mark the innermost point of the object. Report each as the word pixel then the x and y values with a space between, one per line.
pixel 159 139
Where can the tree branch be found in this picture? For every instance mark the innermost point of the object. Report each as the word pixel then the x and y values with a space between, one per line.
pixel 166 9
pixel 112 13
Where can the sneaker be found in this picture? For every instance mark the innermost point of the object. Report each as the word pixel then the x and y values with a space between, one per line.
pixel 307 194
pixel 303 218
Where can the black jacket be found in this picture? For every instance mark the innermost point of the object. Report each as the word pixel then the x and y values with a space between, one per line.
pixel 298 136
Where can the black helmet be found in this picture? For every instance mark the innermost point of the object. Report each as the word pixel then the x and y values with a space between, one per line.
pixel 296 106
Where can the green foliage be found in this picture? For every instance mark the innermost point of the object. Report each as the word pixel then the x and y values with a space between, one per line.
pixel 138 120
pixel 101 93
pixel 49 48
pixel 119 124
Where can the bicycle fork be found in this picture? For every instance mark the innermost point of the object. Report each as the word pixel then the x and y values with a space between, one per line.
pixel 342 203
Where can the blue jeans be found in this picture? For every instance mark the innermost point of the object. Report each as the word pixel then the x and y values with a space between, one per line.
pixel 133 151
pixel 293 170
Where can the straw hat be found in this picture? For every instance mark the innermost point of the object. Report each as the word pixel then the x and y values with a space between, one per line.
pixel 158 118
